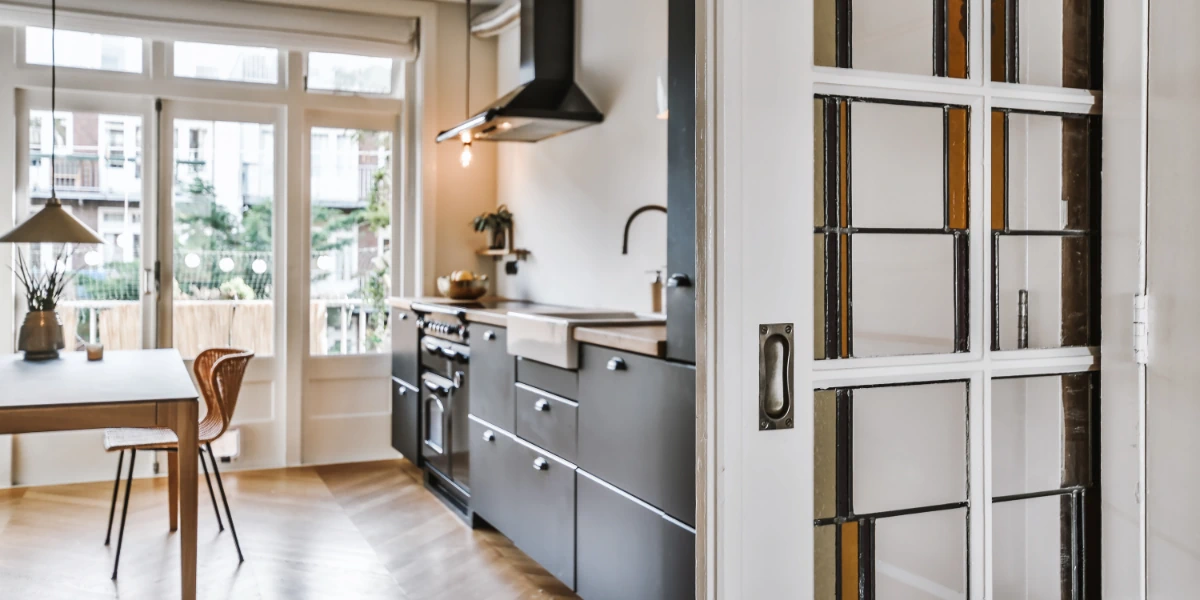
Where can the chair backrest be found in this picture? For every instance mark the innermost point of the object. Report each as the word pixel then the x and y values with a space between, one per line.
pixel 219 373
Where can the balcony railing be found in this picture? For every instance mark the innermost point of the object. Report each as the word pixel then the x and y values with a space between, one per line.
pixel 87 172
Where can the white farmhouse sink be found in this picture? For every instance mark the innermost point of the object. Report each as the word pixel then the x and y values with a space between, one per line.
pixel 549 337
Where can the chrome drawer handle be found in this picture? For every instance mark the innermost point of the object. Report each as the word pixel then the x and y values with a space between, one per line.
pixel 540 464
pixel 616 363
pixel 541 405
pixel 489 335
pixel 489 436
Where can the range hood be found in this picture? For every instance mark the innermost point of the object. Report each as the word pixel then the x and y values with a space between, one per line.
pixel 547 102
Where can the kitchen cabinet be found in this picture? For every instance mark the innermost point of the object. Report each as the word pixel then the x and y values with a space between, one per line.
pixel 681 181
pixel 493 370
pixel 547 421
pixel 556 380
pixel 533 497
pixel 637 427
pixel 405 362
pixel 627 549
pixel 406 420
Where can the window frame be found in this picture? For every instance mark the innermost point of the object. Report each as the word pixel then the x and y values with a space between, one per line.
pixel 168 68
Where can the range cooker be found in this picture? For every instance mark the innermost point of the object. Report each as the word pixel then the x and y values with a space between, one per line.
pixel 445 402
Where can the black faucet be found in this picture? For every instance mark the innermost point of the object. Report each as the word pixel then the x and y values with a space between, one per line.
pixel 625 243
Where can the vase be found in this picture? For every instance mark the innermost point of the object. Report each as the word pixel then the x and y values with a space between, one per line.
pixel 497 239
pixel 41 335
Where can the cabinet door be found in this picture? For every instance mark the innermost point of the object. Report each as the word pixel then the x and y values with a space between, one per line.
pixel 405 357
pixel 544 525
pixel 493 495
pixel 406 421
pixel 637 427
pixel 493 372
pixel 626 549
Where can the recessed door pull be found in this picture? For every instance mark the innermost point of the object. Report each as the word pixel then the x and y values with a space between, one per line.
pixel 775 386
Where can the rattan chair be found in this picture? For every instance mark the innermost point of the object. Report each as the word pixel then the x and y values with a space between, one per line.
pixel 219 374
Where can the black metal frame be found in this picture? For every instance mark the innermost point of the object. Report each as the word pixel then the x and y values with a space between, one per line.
pixel 129 485
pixel 1079 504
pixel 844 492
pixel 835 235
pixel 1089 235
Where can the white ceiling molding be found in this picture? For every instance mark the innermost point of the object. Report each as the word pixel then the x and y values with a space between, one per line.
pixel 228 21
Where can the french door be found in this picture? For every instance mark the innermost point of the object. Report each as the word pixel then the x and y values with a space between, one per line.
pixel 221 249
pixel 345 222
pixel 917 274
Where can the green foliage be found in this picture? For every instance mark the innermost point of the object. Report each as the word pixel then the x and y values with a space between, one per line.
pixel 497 221
pixel 236 289
pixel 118 281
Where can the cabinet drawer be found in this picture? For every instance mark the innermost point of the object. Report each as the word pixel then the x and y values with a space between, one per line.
pixel 561 382
pixel 406 421
pixel 637 427
pixel 404 346
pixel 527 494
pixel 493 371
pixel 493 496
pixel 628 550
pixel 547 421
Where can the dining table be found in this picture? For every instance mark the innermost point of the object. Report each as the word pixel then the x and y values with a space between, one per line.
pixel 126 388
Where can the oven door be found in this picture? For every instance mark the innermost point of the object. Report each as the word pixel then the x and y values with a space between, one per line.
pixel 435 429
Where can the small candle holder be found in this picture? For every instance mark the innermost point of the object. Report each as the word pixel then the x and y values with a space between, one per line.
pixel 94 351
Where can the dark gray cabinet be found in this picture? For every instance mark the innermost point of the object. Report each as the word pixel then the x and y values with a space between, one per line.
pixel 493 371
pixel 682 166
pixel 556 380
pixel 637 427
pixel 627 550
pixel 528 495
pixel 547 421
pixel 406 420
pixel 405 363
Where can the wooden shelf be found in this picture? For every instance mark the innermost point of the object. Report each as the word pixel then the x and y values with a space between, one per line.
pixel 519 253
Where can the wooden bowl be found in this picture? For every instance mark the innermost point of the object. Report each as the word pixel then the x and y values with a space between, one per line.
pixel 463 290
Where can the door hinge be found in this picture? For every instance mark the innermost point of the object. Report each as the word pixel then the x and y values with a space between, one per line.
pixel 1141 329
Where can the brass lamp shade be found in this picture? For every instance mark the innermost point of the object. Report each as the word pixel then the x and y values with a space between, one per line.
pixel 52 224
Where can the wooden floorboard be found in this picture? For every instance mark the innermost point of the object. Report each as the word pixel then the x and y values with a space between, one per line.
pixel 363 530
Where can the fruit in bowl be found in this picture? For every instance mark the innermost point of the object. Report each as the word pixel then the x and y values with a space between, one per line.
pixel 463 285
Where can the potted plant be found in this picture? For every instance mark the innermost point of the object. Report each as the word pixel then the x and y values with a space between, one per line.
pixel 497 225
pixel 41 335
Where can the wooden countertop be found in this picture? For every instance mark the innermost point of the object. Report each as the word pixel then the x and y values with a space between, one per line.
pixel 649 339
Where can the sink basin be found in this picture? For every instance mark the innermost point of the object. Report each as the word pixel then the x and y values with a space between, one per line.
pixel 549 337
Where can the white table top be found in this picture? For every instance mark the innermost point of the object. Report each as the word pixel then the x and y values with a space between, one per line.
pixel 122 376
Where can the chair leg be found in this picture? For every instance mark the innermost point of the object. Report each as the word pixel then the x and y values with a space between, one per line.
pixel 112 509
pixel 225 500
pixel 213 496
pixel 124 512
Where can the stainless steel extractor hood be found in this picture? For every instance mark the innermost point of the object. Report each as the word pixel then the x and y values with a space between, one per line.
pixel 547 102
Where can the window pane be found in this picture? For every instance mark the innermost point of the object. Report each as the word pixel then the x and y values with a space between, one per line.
pixel 1027 550
pixel 84 50
pixel 1049 278
pixel 909 446
pixel 901 36
pixel 1041 433
pixel 891 214
pixel 922 556
pixel 350 194
pixel 224 196
pixel 1046 42
pixel 227 63
pixel 349 73
pixel 98 176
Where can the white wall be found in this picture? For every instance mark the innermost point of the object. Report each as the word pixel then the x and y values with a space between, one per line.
pixel 572 194
pixel 462 193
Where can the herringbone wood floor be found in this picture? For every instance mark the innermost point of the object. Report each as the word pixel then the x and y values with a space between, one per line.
pixel 366 530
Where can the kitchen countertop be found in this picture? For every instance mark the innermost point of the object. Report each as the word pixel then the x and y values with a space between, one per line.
pixel 649 339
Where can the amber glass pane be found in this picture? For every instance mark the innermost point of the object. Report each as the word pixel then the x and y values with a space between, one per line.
pixel 958 181
pixel 999 168
pixel 849 567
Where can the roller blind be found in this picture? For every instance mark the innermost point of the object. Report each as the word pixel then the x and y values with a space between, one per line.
pixel 227 22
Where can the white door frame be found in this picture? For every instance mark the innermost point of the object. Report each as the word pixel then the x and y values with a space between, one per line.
pixel 756 265
pixel 266 372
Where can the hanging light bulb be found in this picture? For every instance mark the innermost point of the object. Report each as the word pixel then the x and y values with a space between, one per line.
pixel 465 157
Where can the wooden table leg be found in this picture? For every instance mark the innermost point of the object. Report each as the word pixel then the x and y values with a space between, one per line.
pixel 185 424
pixel 173 488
